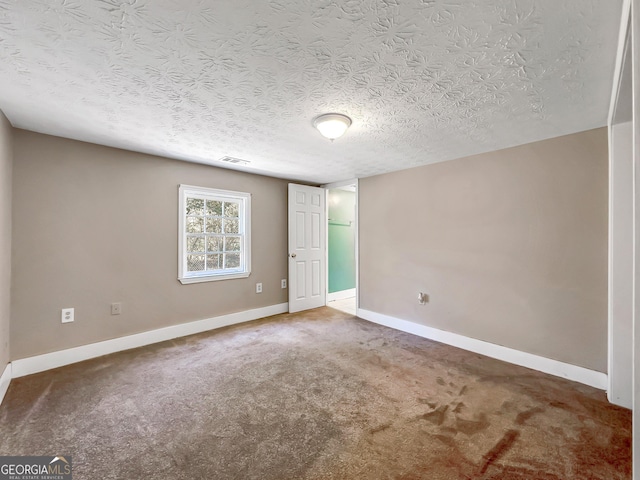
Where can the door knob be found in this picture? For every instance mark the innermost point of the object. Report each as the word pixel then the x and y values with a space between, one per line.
pixel 293 255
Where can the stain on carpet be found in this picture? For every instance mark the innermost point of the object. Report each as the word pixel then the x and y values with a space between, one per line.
pixel 471 427
pixel 522 417
pixel 505 443
pixel 436 417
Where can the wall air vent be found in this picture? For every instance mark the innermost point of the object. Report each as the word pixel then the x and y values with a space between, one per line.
pixel 235 161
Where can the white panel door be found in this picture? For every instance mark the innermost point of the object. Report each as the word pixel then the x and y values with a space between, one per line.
pixel 306 247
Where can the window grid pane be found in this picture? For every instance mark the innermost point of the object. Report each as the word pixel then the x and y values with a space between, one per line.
pixel 231 260
pixel 232 244
pixel 213 261
pixel 215 243
pixel 214 207
pixel 231 209
pixel 231 225
pixel 195 263
pixel 195 244
pixel 194 225
pixel 214 224
pixel 195 206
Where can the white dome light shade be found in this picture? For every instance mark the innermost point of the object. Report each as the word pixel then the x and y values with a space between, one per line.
pixel 332 125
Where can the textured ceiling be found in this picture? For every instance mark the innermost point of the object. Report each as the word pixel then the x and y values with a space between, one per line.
pixel 423 80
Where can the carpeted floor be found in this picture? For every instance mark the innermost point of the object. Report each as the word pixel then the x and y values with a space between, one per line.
pixel 316 395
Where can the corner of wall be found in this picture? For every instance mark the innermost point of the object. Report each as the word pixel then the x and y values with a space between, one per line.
pixel 6 179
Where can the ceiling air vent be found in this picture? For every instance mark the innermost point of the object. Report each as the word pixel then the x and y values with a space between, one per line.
pixel 235 161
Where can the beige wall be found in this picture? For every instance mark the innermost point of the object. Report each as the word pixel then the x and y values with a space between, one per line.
pixel 6 161
pixel 510 245
pixel 95 225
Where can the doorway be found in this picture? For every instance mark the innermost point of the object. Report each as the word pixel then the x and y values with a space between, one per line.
pixel 323 246
pixel 342 243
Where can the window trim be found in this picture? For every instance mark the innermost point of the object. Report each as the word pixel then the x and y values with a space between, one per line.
pixel 245 219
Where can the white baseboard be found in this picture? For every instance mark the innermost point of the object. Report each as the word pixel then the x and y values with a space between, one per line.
pixel 5 380
pixel 535 362
pixel 47 361
pixel 341 295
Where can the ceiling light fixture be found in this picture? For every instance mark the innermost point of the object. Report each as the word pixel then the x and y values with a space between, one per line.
pixel 332 125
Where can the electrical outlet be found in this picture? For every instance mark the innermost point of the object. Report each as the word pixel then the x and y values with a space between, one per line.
pixel 116 308
pixel 283 283
pixel 67 315
pixel 258 288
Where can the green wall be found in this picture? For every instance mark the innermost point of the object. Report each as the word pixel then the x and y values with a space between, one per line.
pixel 342 240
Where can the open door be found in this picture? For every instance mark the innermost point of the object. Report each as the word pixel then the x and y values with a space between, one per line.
pixel 307 236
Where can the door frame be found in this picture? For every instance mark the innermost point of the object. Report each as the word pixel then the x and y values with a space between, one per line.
pixel 630 25
pixel 327 187
pixel 621 224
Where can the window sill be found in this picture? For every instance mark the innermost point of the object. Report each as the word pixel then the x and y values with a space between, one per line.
pixel 213 278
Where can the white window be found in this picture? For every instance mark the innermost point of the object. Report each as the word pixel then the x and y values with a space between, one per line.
pixel 214 234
